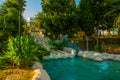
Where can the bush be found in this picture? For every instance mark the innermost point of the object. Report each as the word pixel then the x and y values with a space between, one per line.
pixel 96 48
pixel 58 45
pixel 29 51
pixel 4 62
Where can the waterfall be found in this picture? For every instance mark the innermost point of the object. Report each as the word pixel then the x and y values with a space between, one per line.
pixel 58 55
pixel 66 54
pixel 73 52
pixel 51 55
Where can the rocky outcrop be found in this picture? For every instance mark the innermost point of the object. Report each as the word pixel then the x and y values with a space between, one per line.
pixel 40 73
pixel 99 56
pixel 43 41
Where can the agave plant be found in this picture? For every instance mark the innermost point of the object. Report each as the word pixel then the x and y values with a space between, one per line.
pixel 29 51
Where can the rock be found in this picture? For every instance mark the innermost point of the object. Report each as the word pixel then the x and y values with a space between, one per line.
pixel 44 75
pixel 98 59
pixel 96 54
pixel 80 53
pixel 107 56
pixel 117 57
pixel 84 55
pixel 86 52
pixel 37 65
pixel 104 55
pixel 67 49
pixel 37 74
pixel 43 41
pixel 91 52
pixel 40 73
pixel 111 56
pixel 90 56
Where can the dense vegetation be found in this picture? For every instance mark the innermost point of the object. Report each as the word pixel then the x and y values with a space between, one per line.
pixel 65 17
pixel 58 17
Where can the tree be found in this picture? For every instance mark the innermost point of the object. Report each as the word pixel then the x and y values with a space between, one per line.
pixel 113 7
pixel 10 15
pixel 105 13
pixel 86 19
pixel 98 10
pixel 58 16
pixel 10 18
pixel 117 24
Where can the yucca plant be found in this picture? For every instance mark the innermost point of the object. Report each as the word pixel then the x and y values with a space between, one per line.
pixel 29 51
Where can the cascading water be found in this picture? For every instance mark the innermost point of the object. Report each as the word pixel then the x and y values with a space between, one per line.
pixel 58 55
pixel 73 52
pixel 66 54
pixel 51 55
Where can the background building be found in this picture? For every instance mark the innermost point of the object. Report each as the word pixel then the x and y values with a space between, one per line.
pixel 30 21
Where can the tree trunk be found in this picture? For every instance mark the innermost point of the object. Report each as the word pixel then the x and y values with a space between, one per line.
pixel 118 32
pixel 4 23
pixel 97 40
pixel 87 43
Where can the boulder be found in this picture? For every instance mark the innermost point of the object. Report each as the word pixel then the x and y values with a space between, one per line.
pixel 37 65
pixel 117 57
pixel 85 55
pixel 111 56
pixel 67 49
pixel 90 56
pixel 86 52
pixel 44 75
pixel 96 54
pixel 80 53
pixel 37 74
pixel 98 59
pixel 105 55
pixel 40 73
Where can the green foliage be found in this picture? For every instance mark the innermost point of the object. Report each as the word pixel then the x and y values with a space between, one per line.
pixel 58 45
pixel 96 48
pixel 58 17
pixel 29 51
pixel 4 61
pixel 105 11
pixel 86 17
pixel 112 12
pixel 9 18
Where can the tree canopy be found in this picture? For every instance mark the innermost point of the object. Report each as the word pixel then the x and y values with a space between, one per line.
pixel 9 19
pixel 58 17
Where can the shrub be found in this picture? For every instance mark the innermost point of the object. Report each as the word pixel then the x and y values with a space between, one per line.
pixel 4 62
pixel 29 51
pixel 58 45
pixel 96 48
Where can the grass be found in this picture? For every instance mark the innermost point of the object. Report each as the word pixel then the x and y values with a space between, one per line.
pixel 20 74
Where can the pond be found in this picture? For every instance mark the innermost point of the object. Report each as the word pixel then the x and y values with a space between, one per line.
pixel 81 69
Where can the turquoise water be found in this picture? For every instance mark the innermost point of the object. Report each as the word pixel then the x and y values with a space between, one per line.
pixel 81 69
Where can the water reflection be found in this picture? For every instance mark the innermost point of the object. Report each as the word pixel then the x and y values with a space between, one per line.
pixel 103 66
